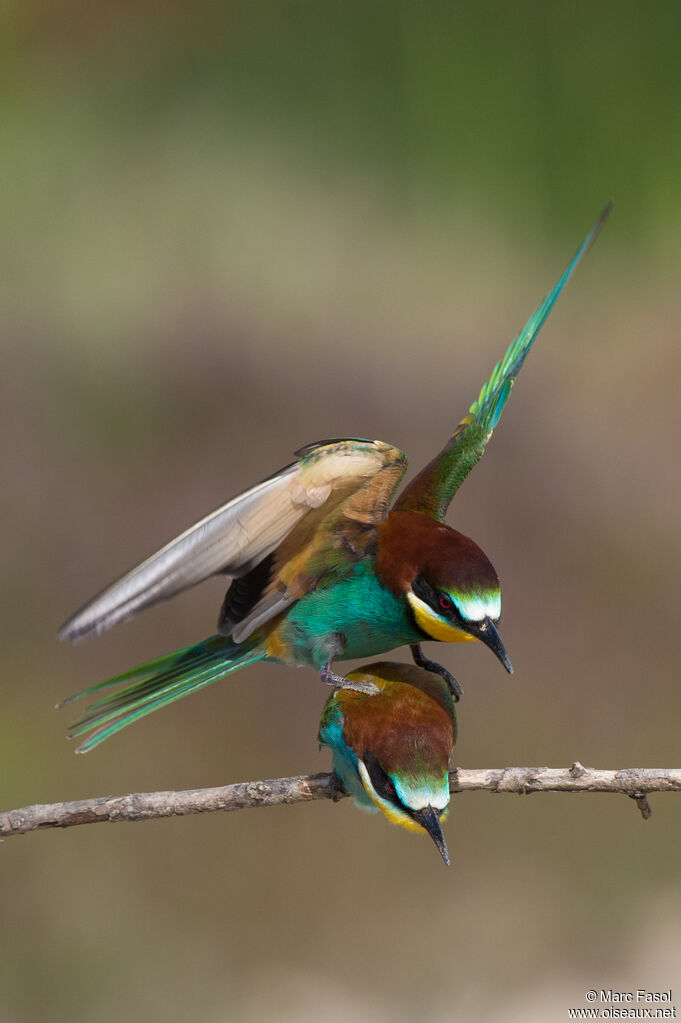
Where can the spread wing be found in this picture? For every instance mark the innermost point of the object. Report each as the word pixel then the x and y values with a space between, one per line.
pixel 238 536
pixel 434 487
pixel 323 546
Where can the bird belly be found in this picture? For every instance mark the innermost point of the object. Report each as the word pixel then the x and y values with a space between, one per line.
pixel 355 617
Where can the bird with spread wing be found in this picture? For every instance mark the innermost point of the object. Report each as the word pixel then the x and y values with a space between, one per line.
pixel 321 567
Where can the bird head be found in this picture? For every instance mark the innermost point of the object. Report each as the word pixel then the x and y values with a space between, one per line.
pixel 414 799
pixel 392 749
pixel 449 583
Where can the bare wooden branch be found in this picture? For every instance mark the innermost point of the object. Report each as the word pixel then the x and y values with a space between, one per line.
pixel 634 782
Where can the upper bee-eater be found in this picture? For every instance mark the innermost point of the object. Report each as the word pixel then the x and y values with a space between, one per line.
pixel 391 750
pixel 320 568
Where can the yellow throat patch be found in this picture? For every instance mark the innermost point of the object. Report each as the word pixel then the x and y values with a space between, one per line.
pixel 435 626
pixel 393 813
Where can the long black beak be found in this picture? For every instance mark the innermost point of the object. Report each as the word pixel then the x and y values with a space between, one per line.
pixel 486 632
pixel 429 819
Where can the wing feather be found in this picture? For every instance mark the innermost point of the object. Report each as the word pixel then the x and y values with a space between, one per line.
pixel 434 487
pixel 240 534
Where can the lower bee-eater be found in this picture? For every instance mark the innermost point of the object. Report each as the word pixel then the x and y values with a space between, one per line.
pixel 391 750
pixel 321 569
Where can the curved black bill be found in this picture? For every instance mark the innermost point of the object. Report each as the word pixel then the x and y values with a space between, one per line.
pixel 429 819
pixel 486 632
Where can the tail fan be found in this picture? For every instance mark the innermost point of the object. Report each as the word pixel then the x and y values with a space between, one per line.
pixel 156 684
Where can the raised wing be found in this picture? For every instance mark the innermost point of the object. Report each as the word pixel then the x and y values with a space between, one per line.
pixel 322 546
pixel 434 487
pixel 240 534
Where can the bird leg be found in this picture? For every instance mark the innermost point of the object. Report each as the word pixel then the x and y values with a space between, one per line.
pixel 338 789
pixel 455 687
pixel 330 678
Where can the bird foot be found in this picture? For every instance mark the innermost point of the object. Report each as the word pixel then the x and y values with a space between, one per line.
pixel 338 790
pixel 330 678
pixel 420 659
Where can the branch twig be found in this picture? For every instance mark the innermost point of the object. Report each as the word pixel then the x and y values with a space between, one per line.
pixel 634 782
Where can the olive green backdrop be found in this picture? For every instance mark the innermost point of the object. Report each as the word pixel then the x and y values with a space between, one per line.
pixel 227 233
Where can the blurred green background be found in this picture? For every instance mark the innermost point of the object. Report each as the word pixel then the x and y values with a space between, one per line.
pixel 229 230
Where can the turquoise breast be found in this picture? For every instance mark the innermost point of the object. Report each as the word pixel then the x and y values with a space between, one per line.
pixel 369 617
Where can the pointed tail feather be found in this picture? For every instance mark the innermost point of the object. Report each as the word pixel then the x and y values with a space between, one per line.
pixel 156 684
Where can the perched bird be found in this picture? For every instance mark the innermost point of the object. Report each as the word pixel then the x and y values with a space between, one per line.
pixel 391 750
pixel 321 569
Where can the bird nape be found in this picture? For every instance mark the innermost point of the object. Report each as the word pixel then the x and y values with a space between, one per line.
pixel 321 568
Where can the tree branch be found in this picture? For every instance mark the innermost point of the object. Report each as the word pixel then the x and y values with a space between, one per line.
pixel 140 806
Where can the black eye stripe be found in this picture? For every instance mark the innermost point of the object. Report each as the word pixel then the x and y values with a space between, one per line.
pixel 380 780
pixel 425 591
pixel 434 598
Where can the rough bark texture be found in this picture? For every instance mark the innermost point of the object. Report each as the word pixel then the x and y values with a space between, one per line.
pixel 635 782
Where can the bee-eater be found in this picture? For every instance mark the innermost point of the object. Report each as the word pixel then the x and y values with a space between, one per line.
pixel 391 750
pixel 321 569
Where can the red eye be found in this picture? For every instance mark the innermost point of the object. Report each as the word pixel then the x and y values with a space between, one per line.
pixel 445 603
pixel 390 787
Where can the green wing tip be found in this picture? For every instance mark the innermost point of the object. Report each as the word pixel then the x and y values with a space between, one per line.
pixel 433 489
pixel 595 231
pixel 495 392
pixel 607 209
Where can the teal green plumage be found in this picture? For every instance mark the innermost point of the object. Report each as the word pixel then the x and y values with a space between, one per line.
pixel 380 620
pixel 157 683
pixel 383 623
pixel 321 569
